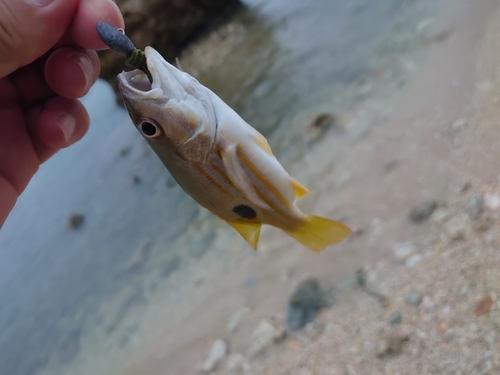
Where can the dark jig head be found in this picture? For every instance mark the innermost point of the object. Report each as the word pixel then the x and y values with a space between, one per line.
pixel 119 42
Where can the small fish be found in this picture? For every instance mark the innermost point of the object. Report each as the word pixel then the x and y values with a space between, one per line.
pixel 217 158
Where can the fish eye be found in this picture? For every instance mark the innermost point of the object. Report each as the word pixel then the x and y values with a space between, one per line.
pixel 149 128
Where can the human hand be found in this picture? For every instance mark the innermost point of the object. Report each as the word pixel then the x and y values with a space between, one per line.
pixel 47 61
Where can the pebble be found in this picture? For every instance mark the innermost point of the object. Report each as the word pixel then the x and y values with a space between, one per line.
pixel 403 250
pixel 395 317
pixel 413 260
pixel 216 355
pixel 455 127
pixel 305 302
pixel 456 229
pixel 439 216
pixel 483 306
pixel 236 318
pixel 75 221
pixel 390 346
pixel 265 336
pixel 474 206
pixel 414 299
pixel 492 201
pixel 422 211
pixel 320 125
pixel 361 277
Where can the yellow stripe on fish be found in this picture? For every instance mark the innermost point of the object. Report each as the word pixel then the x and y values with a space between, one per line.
pixel 217 158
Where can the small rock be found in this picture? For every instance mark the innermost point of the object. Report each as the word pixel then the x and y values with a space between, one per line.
pixel 403 250
pixel 466 187
pixel 236 318
pixel 390 165
pixel 305 302
pixel 414 299
pixel 428 304
pixel 265 336
pixel 456 229
pixel 456 127
pixel 423 211
pixel 238 365
pixel 474 206
pixel 395 317
pixel 439 216
pixel 361 277
pixel 216 355
pixel 413 260
pixel 75 221
pixel 483 306
pixel 390 346
pixel 492 201
pixel 485 85
pixel 319 125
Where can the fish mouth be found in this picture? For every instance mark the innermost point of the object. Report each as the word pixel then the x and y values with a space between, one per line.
pixel 167 80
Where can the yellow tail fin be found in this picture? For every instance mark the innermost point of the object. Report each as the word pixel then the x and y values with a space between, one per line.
pixel 317 233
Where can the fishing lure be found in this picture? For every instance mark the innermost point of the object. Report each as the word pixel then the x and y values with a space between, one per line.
pixel 117 40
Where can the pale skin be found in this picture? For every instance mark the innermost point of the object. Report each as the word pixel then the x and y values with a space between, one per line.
pixel 47 61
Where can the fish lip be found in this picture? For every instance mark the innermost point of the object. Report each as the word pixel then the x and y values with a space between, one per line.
pixel 167 81
pixel 136 83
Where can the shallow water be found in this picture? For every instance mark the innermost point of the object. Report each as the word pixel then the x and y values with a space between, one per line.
pixel 297 59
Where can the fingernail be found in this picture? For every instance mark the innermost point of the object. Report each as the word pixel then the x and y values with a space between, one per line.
pixel 39 3
pixel 67 123
pixel 87 67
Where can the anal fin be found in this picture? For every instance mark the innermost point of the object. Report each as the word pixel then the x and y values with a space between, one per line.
pixel 317 233
pixel 249 231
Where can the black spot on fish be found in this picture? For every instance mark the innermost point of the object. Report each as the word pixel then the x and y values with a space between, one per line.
pixel 244 211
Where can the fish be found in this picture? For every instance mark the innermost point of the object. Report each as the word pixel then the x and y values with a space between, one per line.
pixel 217 158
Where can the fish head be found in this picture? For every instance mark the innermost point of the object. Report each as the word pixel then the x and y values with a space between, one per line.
pixel 172 111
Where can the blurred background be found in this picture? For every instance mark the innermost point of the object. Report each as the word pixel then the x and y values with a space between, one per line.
pixel 386 110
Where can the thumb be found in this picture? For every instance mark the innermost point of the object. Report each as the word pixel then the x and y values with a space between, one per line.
pixel 29 28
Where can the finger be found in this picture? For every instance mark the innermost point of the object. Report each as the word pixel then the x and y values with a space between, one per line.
pixel 30 82
pixel 89 12
pixel 9 197
pixel 29 28
pixel 18 160
pixel 70 72
pixel 57 124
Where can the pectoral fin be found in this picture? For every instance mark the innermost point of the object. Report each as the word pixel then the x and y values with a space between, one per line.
pixel 239 177
pixel 249 231
pixel 317 233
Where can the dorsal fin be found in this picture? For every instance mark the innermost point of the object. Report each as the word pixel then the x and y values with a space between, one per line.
pixel 249 231
pixel 262 143
pixel 299 190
